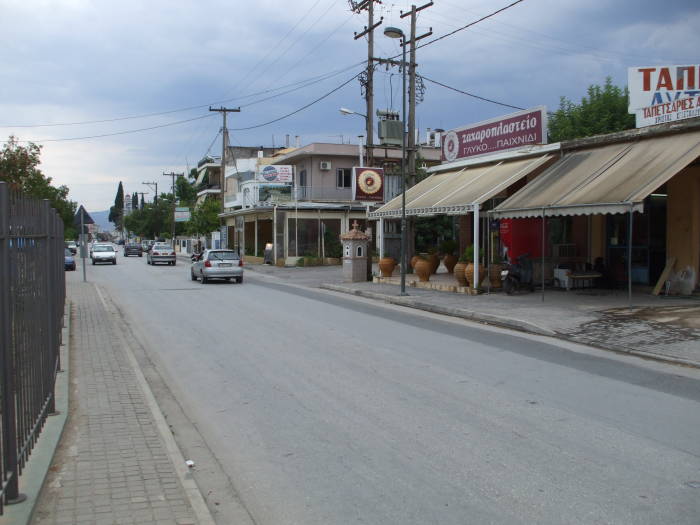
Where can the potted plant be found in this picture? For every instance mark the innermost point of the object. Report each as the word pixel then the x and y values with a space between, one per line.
pixel 469 271
pixel 386 266
pixel 448 248
pixel 423 268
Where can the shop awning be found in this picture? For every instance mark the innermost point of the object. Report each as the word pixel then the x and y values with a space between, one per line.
pixel 456 192
pixel 615 178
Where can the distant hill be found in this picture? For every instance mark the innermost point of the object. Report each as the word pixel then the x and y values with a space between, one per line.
pixel 100 218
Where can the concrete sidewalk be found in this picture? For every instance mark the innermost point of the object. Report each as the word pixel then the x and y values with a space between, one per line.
pixel 662 328
pixel 116 464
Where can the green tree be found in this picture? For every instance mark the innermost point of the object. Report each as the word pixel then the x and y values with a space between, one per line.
pixel 116 212
pixel 604 110
pixel 19 167
pixel 134 201
pixel 185 191
pixel 204 218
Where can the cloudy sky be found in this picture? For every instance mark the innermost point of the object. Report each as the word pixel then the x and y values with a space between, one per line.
pixel 86 78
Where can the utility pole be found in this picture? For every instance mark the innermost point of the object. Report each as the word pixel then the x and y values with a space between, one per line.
pixel 142 193
pixel 154 186
pixel 358 7
pixel 173 175
pixel 412 151
pixel 222 177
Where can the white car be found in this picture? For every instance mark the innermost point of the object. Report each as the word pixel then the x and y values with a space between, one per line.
pixel 217 264
pixel 102 253
pixel 162 252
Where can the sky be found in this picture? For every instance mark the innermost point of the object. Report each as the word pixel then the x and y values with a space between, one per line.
pixel 120 90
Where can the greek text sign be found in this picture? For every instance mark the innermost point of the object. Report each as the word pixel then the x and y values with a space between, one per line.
pixel 502 133
pixel 272 173
pixel 659 94
pixel 368 184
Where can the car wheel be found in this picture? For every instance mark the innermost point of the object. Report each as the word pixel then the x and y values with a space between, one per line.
pixel 114 261
pixel 204 279
pixel 93 262
pixel 174 263
pixel 239 280
pixel 140 255
pixel 193 276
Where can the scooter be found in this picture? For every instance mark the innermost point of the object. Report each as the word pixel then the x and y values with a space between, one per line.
pixel 518 275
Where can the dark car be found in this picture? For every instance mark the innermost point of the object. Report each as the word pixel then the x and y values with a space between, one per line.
pixel 132 248
pixel 69 260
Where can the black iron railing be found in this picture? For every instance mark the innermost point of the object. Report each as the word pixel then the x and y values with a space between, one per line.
pixel 32 296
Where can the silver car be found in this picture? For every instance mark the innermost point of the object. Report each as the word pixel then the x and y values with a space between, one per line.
pixel 162 252
pixel 217 264
pixel 102 253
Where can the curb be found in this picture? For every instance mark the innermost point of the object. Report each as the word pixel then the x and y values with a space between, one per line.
pixel 470 315
pixel 36 469
pixel 504 322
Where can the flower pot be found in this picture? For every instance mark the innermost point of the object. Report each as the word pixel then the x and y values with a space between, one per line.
pixel 434 261
pixel 422 269
pixel 469 273
pixel 495 275
pixel 449 261
pixel 414 260
pixel 386 266
pixel 459 273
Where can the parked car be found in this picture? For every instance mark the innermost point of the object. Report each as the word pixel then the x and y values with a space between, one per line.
pixel 103 252
pixel 72 246
pixel 161 252
pixel 217 264
pixel 132 248
pixel 68 260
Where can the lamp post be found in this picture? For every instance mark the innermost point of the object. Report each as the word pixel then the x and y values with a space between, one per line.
pixel 346 111
pixel 395 32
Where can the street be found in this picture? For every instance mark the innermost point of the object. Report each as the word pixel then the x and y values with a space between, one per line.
pixel 329 409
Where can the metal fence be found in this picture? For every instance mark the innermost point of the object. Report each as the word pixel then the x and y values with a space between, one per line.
pixel 32 296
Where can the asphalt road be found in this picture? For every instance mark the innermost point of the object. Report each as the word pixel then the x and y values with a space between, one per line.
pixel 324 409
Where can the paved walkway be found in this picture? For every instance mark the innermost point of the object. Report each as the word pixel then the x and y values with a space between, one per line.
pixel 664 328
pixel 113 465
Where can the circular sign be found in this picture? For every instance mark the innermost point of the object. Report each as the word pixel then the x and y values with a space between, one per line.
pixel 269 173
pixel 369 182
pixel 450 146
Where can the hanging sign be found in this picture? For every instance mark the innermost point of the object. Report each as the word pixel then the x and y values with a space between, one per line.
pixel 182 214
pixel 368 184
pixel 273 173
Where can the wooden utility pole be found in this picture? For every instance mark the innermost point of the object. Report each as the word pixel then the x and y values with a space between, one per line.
pixel 154 186
pixel 412 150
pixel 173 175
pixel 358 7
pixel 222 177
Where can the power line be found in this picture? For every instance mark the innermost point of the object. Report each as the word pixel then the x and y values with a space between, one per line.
pixel 301 108
pixel 470 94
pixel 301 83
pixel 125 132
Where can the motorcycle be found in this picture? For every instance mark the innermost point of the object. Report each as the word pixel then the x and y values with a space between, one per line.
pixel 518 275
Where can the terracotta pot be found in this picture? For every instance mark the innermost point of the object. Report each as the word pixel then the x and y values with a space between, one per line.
pixel 422 269
pixel 495 275
pixel 414 260
pixel 434 261
pixel 449 261
pixel 386 266
pixel 459 273
pixel 469 273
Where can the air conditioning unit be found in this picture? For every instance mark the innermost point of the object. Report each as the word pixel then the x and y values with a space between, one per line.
pixel 325 165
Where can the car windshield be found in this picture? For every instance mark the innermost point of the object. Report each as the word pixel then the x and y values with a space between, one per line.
pixel 103 249
pixel 222 256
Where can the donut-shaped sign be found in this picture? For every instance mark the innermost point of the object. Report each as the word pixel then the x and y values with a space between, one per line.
pixel 369 182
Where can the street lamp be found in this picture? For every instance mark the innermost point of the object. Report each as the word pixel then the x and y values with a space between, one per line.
pixel 395 32
pixel 346 111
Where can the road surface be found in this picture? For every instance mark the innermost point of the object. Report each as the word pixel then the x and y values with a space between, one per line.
pixel 326 409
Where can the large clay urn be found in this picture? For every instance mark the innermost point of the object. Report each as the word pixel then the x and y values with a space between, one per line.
pixel 386 266
pixel 469 273
pixel 414 260
pixel 422 269
pixel 460 276
pixel 434 261
pixel 449 261
pixel 495 275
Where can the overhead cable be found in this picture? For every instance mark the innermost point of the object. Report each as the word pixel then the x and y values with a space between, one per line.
pixel 470 94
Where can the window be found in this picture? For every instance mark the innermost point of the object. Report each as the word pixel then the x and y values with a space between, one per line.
pixel 344 176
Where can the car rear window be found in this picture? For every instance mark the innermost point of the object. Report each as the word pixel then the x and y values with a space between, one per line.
pixel 161 247
pixel 103 249
pixel 223 256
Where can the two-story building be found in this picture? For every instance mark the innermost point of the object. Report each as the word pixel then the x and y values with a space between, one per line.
pixel 306 215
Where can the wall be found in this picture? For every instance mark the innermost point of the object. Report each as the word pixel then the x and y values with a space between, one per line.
pixel 683 219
